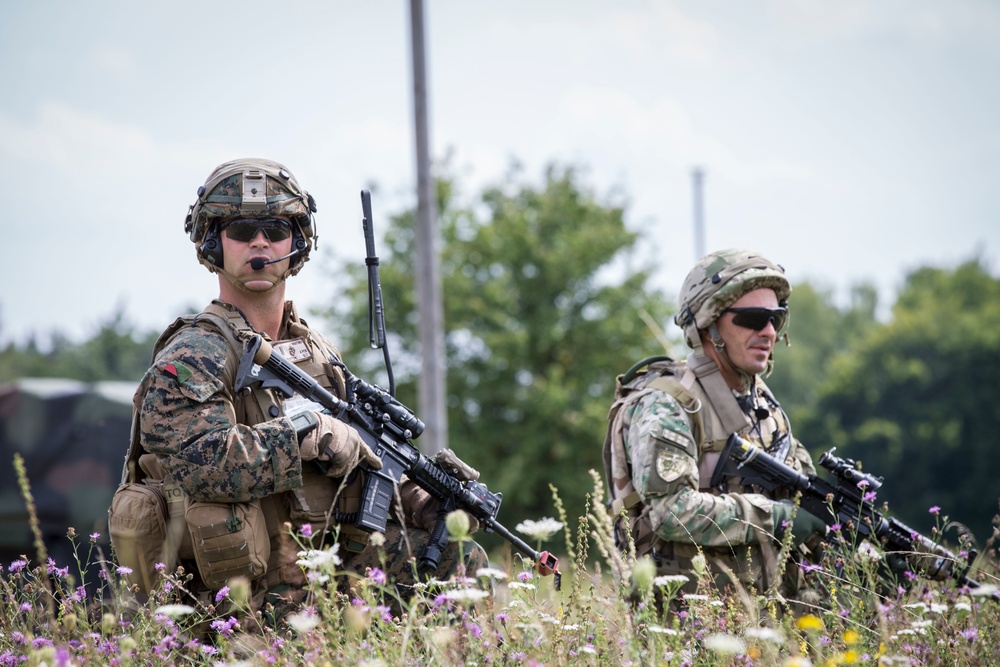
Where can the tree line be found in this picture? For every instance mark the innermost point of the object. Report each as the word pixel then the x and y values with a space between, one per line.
pixel 547 298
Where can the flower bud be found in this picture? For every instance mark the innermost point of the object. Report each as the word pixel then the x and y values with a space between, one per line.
pixel 458 525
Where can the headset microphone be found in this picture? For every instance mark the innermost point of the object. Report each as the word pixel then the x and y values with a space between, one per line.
pixel 258 263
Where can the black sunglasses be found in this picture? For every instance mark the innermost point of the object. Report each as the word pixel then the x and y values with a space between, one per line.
pixel 758 318
pixel 245 229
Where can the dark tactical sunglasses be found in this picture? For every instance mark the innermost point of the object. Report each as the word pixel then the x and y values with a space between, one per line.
pixel 758 318
pixel 245 229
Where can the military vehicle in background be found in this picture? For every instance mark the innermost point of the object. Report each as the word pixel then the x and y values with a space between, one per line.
pixel 73 437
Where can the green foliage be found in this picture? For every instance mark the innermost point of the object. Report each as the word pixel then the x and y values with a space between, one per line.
pixel 917 400
pixel 543 306
pixel 116 352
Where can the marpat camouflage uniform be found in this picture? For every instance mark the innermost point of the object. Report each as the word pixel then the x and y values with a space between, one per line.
pixel 221 447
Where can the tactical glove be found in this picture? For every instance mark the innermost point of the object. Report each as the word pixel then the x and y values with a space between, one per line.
pixel 336 444
pixel 804 526
pixel 420 509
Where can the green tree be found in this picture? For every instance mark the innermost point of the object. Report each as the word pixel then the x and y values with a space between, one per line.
pixel 818 331
pixel 543 305
pixel 116 352
pixel 917 399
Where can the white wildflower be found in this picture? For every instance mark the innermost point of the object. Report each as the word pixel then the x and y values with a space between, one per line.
pixel 963 606
pixel 571 626
pixel 316 559
pixel 587 648
pixel 765 634
pixel 174 610
pixel 465 594
pixel 922 624
pixel 938 608
pixel 302 621
pixel 541 530
pixel 728 644
pixel 666 579
pixel 491 572
pixel 695 597
pixel 661 630
pixel 716 603
pixel 515 603
pixel 918 607
pixel 521 585
pixel 983 590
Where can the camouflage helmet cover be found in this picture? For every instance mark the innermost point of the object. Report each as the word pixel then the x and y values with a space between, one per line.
pixel 718 280
pixel 252 188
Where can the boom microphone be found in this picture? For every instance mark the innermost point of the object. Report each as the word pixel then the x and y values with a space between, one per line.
pixel 257 263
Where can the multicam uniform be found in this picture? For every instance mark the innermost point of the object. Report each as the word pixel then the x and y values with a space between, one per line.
pixel 220 448
pixel 668 427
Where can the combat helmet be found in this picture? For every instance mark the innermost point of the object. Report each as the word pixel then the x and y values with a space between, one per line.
pixel 718 280
pixel 250 188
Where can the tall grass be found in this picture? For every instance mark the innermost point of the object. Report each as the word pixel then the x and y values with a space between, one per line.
pixel 503 615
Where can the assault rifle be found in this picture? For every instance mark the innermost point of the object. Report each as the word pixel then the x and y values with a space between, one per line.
pixel 387 426
pixel 844 502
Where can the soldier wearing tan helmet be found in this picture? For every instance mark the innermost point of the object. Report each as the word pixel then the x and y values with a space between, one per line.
pixel 236 475
pixel 671 419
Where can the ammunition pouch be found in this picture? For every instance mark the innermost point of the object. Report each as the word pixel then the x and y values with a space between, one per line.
pixel 228 540
pixel 137 524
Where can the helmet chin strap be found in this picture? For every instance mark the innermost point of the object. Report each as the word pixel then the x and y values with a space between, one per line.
pixel 720 349
pixel 235 282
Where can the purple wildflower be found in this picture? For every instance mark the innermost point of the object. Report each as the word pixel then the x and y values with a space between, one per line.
pixel 524 576
pixel 971 634
pixel 221 595
pixel 377 575
pixel 17 565
pixel 934 510
pixel 869 496
pixel 306 530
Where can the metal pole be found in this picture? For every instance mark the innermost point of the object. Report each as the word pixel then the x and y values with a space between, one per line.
pixel 697 181
pixel 431 396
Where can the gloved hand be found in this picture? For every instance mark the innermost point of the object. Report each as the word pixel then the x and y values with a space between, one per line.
pixel 338 445
pixel 804 526
pixel 420 509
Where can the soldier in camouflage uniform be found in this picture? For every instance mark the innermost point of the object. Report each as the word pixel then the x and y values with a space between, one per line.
pixel 238 474
pixel 671 419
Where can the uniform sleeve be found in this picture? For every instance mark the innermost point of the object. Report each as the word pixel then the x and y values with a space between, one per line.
pixel 187 418
pixel 664 460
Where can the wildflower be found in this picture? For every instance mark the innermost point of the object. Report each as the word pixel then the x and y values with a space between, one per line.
pixel 376 575
pixel 376 539
pixel 109 623
pixel 963 606
pixel 765 634
pixel 809 622
pixel 521 585
pixel 306 530
pixel 694 597
pixel 699 564
pixel 458 525
pixel 851 637
pixel 983 590
pixel 25 607
pixel 938 608
pixel 17 565
pixel 935 510
pixel 665 579
pixel 661 630
pixel 465 594
pixel 541 530
pixel 302 621
pixel 588 648
pixel 221 595
pixel 160 567
pixel 225 627
pixel 797 661
pixel 525 576
pixel 315 559
pixel 643 573
pixel 971 634
pixel 867 553
pixel 174 610
pixel 726 644
pixel 869 497
pixel 94 537
pixel 571 626
pixel 491 572
pixel 123 570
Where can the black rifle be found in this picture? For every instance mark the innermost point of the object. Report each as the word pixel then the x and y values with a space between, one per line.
pixel 844 503
pixel 387 426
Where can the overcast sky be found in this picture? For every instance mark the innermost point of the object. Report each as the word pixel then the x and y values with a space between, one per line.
pixel 849 140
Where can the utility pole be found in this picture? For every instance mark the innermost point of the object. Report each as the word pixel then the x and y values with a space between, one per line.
pixel 431 392
pixel 697 182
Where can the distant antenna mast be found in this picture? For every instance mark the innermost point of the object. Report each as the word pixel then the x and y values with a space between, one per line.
pixel 697 183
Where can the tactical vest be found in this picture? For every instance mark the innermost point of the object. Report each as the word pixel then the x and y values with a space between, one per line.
pixel 714 414
pixel 321 502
